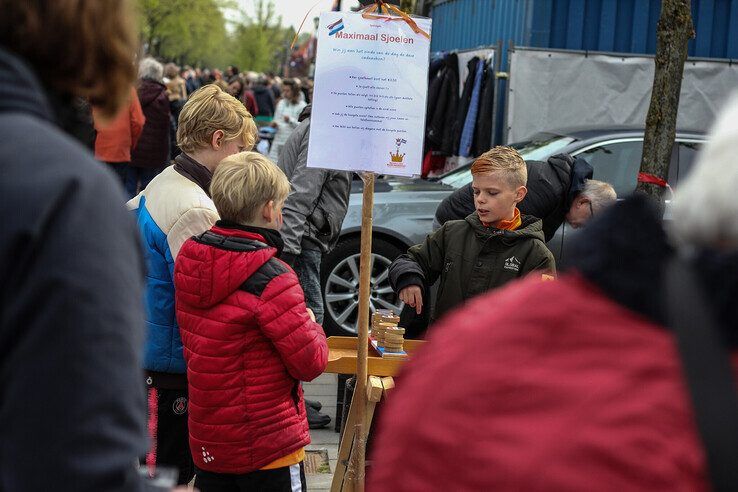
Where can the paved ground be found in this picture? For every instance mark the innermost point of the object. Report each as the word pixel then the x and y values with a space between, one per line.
pixel 323 390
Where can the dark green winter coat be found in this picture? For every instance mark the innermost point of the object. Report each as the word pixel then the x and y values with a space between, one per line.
pixel 468 259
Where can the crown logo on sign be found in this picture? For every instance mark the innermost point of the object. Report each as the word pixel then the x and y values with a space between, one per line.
pixel 397 157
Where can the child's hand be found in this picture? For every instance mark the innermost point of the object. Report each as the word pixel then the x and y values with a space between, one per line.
pixel 311 314
pixel 413 297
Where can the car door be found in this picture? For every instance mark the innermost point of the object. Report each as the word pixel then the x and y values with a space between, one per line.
pixel 616 162
pixel 686 151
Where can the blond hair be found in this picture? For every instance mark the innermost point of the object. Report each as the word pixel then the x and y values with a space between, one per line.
pixel 208 110
pixel 504 159
pixel 600 194
pixel 243 183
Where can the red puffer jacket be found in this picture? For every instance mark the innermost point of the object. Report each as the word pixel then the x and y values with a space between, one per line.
pixel 248 341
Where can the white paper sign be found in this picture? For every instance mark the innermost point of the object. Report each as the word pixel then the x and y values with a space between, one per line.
pixel 369 99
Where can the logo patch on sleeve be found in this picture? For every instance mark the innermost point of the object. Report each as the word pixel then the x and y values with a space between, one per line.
pixel 180 406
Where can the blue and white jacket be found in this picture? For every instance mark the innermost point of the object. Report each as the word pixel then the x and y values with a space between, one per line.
pixel 172 208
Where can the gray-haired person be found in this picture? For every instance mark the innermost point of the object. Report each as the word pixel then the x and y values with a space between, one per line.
pixel 151 154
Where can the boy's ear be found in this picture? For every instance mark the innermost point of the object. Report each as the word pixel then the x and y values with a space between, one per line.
pixel 520 194
pixel 217 139
pixel 268 212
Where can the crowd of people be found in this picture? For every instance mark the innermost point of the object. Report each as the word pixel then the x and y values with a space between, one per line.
pixel 536 376
pixel 141 141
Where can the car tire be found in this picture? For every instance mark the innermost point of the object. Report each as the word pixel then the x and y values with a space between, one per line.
pixel 339 277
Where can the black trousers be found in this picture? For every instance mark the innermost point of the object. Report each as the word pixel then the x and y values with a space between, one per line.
pixel 120 169
pixel 286 479
pixel 167 426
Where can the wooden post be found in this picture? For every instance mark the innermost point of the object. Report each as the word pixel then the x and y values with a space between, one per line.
pixel 365 272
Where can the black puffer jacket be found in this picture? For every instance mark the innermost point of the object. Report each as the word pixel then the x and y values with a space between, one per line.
pixel 548 195
pixel 442 107
pixel 152 150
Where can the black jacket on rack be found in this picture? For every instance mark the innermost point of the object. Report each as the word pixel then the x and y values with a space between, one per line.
pixel 443 107
pixel 483 130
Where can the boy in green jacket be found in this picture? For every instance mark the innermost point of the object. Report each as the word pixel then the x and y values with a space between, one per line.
pixel 489 248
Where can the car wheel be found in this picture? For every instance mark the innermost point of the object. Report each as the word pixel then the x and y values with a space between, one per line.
pixel 340 280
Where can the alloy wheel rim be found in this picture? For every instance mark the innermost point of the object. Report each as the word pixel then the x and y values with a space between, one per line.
pixel 342 291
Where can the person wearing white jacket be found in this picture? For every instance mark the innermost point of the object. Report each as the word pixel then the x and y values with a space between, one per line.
pixel 285 116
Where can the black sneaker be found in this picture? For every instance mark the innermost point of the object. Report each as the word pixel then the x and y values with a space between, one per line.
pixel 316 420
pixel 313 403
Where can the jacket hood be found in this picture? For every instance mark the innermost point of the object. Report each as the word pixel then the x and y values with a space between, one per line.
pixel 623 251
pixel 531 227
pixel 562 166
pixel 149 90
pixel 215 264
pixel 20 90
pixel 581 171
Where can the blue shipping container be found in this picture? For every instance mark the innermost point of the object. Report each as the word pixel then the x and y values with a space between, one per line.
pixel 626 26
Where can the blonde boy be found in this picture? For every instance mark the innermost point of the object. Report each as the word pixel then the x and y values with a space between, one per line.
pixel 174 206
pixel 248 337
pixel 489 248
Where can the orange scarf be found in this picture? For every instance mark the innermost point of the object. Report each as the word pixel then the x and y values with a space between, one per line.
pixel 509 225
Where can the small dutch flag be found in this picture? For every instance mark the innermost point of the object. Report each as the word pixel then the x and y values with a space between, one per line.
pixel 335 27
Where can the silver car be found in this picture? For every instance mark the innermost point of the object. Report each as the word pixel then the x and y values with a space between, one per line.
pixel 404 209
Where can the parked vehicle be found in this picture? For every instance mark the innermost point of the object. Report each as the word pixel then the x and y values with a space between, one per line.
pixel 404 209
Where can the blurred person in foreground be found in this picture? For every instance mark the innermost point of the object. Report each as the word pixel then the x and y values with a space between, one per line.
pixel 72 404
pixel 175 206
pixel 579 384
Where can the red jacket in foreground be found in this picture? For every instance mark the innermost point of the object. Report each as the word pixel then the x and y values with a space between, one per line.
pixel 248 341
pixel 542 387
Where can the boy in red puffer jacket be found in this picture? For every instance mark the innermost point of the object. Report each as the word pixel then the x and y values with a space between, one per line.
pixel 248 337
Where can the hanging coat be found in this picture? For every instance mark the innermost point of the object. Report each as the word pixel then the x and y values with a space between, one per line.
pixel 483 130
pixel 439 131
pixel 458 124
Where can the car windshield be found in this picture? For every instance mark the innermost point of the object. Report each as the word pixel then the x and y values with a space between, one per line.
pixel 538 148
